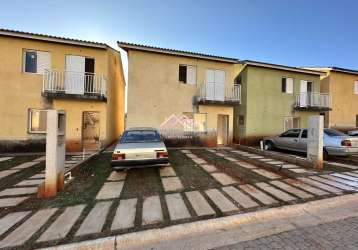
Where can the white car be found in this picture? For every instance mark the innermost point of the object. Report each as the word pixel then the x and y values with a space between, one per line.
pixel 353 133
pixel 139 147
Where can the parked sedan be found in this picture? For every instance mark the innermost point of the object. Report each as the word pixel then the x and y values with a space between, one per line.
pixel 139 147
pixel 334 142
pixel 353 133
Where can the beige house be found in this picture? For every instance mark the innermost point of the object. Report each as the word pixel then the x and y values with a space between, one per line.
pixel 163 83
pixel 342 84
pixel 41 72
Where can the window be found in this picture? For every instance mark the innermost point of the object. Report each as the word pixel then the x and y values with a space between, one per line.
pixel 287 85
pixel 36 61
pixel 356 87
pixel 37 121
pixel 290 123
pixel 187 74
pixel 333 133
pixel 304 133
pixel 292 133
pixel 138 136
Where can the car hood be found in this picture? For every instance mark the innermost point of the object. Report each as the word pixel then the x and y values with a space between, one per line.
pixel 143 145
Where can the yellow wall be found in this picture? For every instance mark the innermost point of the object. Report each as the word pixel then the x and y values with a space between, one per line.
pixel 21 91
pixel 344 101
pixel 154 90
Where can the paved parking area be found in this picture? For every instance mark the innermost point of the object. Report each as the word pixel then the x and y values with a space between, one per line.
pixel 199 184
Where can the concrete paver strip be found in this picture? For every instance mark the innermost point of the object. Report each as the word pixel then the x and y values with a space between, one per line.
pixel 341 180
pixel 348 177
pixel 199 161
pixel 95 219
pixel 246 165
pixel 11 219
pixel 8 172
pixel 298 170
pixel 266 159
pixel 351 174
pixel 267 174
pixel 258 195
pixel 34 182
pixel 275 162
pixel 24 232
pixel 125 214
pixel 63 224
pixel 42 158
pixel 209 168
pixel 172 184
pixel 220 154
pixel 281 195
pixel 185 151
pixel 198 202
pixel 167 171
pixel 5 158
pixel 152 210
pixel 289 166
pixel 223 178
pixel 38 176
pixel 176 207
pixel 10 202
pixel 256 157
pixel 231 159
pixel 192 156
pixel 110 190
pixel 242 199
pixel 332 183
pixel 26 165
pixel 18 191
pixel 306 187
pixel 321 185
pixel 343 165
pixel 299 193
pixel 224 204
pixel 117 176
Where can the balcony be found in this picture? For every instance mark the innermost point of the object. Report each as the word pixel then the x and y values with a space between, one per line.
pixel 313 101
pixel 213 93
pixel 70 84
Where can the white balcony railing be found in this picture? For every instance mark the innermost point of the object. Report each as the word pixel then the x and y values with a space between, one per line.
pixel 70 82
pixel 313 99
pixel 219 93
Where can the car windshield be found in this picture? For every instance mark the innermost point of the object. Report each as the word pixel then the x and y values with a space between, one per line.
pixel 139 136
pixel 332 132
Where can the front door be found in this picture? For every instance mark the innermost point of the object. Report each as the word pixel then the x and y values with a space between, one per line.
pixel 75 74
pixel 91 130
pixel 223 130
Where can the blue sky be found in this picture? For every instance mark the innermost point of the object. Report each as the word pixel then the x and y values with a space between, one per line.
pixel 291 32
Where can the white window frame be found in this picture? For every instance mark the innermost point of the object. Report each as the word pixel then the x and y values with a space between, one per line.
pixel 291 117
pixel 29 125
pixel 292 85
pixel 355 87
pixel 195 76
pixel 24 60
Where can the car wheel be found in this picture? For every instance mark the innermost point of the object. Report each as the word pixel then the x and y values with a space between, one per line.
pixel 325 154
pixel 269 145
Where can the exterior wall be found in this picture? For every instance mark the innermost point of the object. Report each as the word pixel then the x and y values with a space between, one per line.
pixel 344 101
pixel 265 106
pixel 22 91
pixel 155 93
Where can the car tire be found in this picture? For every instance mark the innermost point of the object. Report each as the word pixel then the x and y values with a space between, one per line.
pixel 269 145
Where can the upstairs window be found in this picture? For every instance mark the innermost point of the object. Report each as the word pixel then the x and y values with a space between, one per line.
pixel 287 85
pixel 187 74
pixel 36 61
pixel 356 87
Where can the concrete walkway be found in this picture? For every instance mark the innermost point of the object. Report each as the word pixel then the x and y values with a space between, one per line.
pixel 232 229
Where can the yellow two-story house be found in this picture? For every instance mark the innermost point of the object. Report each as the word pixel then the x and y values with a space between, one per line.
pixel 181 92
pixel 342 84
pixel 40 72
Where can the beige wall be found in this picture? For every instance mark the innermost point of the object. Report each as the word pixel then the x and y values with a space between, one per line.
pixel 344 101
pixel 21 91
pixel 154 90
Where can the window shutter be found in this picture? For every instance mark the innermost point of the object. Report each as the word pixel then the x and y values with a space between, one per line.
pixel 289 85
pixel 356 87
pixel 191 75
pixel 43 61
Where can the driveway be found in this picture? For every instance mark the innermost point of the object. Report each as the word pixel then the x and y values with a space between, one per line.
pixel 199 184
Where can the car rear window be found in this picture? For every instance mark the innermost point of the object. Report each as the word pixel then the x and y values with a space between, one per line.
pixel 332 132
pixel 139 136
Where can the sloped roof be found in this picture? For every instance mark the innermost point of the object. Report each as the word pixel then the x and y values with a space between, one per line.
pixel 128 46
pixel 337 69
pixel 50 38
